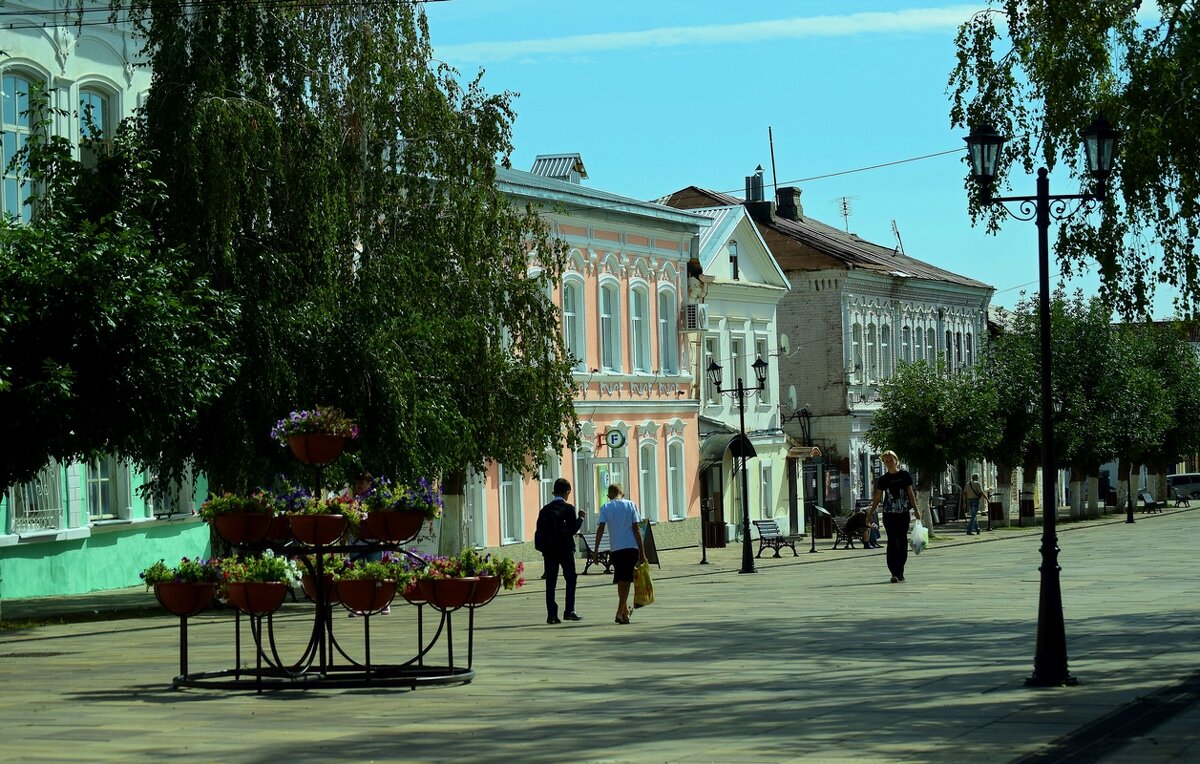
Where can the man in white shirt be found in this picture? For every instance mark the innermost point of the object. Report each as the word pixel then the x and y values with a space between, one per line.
pixel 621 517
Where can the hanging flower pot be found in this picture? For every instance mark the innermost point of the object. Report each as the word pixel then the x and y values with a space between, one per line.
pixel 448 593
pixel 280 529
pixel 318 529
pixel 412 593
pixel 391 525
pixel 316 448
pixel 485 590
pixel 309 584
pixel 256 597
pixel 185 599
pixel 242 527
pixel 366 595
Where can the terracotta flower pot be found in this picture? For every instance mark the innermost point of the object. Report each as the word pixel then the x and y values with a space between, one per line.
pixel 485 591
pixel 256 597
pixel 309 584
pixel 448 593
pixel 366 596
pixel 185 599
pixel 318 529
pixel 316 448
pixel 395 525
pixel 242 527
pixel 412 593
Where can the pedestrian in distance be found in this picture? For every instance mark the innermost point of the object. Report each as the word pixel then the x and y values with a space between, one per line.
pixel 894 488
pixel 557 524
pixel 974 492
pixel 620 517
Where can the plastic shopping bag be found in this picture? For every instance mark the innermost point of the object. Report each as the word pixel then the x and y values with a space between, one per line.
pixel 643 586
pixel 919 537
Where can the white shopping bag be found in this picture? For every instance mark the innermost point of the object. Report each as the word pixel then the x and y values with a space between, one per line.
pixel 919 537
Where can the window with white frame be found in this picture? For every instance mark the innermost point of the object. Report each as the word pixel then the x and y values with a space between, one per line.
pixel 970 350
pixel 872 353
pixel 107 488
pixel 15 123
pixel 919 344
pixel 668 338
pixel 676 489
pixel 931 345
pixel 95 125
pixel 737 361
pixel 582 488
pixel 712 348
pixel 639 329
pixel 610 327
pixel 856 354
pixel 733 261
pixel 549 472
pixel 573 323
pixel 885 351
pixel 761 350
pixel 948 348
pixel 510 506
pixel 906 344
pixel 766 498
pixel 958 350
pixel 648 481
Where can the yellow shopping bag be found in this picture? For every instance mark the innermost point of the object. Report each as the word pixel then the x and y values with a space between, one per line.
pixel 643 586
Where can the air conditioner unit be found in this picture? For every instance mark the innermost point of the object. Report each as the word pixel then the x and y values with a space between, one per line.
pixel 693 317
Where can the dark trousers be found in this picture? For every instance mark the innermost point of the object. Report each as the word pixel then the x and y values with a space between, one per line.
pixel 565 560
pixel 896 525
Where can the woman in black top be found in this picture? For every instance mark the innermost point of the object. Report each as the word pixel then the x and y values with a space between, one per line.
pixel 894 489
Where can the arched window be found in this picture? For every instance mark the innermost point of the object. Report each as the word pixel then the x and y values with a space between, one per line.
pixel 958 350
pixel 948 349
pixel 906 344
pixel 550 472
pixel 712 352
pixel 733 261
pixel 885 351
pixel 573 321
pixel 16 125
pixel 639 329
pixel 668 338
pixel 610 327
pixel 676 490
pixel 931 345
pixel 872 354
pixel 95 125
pixel 856 354
pixel 648 481
pixel 970 350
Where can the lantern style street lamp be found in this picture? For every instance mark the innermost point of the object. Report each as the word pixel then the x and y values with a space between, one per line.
pixel 745 449
pixel 984 146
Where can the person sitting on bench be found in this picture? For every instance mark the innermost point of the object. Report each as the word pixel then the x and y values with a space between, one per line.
pixel 857 525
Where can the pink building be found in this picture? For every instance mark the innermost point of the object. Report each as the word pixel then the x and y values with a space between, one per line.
pixel 621 298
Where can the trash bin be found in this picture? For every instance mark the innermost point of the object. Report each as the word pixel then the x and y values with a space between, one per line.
pixel 1025 509
pixel 995 512
pixel 714 527
pixel 822 524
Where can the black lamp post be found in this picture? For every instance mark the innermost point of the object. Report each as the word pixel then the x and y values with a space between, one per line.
pixel 805 416
pixel 983 148
pixel 745 449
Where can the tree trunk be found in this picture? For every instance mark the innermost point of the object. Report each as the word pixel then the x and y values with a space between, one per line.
pixel 1003 494
pixel 1028 486
pixel 1093 491
pixel 1123 484
pixel 1078 478
pixel 924 496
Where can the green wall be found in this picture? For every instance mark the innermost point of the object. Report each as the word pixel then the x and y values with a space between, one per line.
pixel 110 558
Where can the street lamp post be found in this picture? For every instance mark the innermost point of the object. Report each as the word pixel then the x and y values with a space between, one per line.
pixel 983 148
pixel 806 430
pixel 745 449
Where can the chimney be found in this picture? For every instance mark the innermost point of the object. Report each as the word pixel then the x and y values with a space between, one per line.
pixel 788 203
pixel 760 210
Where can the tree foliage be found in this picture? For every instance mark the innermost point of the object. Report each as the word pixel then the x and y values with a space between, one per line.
pixel 1041 70
pixel 108 343
pixel 324 172
pixel 931 418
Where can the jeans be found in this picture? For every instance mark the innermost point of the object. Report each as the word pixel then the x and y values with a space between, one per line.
pixel 973 523
pixel 896 525
pixel 554 561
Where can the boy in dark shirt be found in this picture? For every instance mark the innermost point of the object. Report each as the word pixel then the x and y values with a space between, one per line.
pixel 557 525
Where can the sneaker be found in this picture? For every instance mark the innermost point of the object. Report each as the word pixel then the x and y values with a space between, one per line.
pixel 572 617
pixel 386 611
pixel 895 580
pixel 553 620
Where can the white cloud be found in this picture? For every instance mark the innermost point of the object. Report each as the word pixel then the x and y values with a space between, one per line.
pixel 915 20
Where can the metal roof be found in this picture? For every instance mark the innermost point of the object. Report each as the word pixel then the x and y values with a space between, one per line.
pixel 846 248
pixel 559 166
pixel 521 183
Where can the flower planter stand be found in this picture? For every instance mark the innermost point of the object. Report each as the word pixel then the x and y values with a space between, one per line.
pixel 241 528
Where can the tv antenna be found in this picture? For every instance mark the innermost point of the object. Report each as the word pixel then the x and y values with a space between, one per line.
pixel 899 241
pixel 843 203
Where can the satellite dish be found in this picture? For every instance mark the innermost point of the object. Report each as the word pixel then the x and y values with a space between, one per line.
pixel 792 396
pixel 785 346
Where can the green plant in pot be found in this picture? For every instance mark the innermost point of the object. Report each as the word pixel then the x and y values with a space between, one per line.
pixel 237 518
pixel 257 585
pixel 187 588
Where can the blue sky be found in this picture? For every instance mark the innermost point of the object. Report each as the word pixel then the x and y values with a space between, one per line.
pixel 657 95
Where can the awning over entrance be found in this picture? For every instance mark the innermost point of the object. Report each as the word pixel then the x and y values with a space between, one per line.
pixel 712 451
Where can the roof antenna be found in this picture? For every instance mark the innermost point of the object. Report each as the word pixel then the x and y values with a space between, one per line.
pixel 843 203
pixel 774 180
pixel 899 241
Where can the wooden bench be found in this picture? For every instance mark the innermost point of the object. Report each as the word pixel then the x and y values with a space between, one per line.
pixel 1181 500
pixel 770 537
pixel 842 536
pixel 596 556
pixel 1149 504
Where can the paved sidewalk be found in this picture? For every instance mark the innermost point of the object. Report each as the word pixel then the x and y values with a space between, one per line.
pixel 814 658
